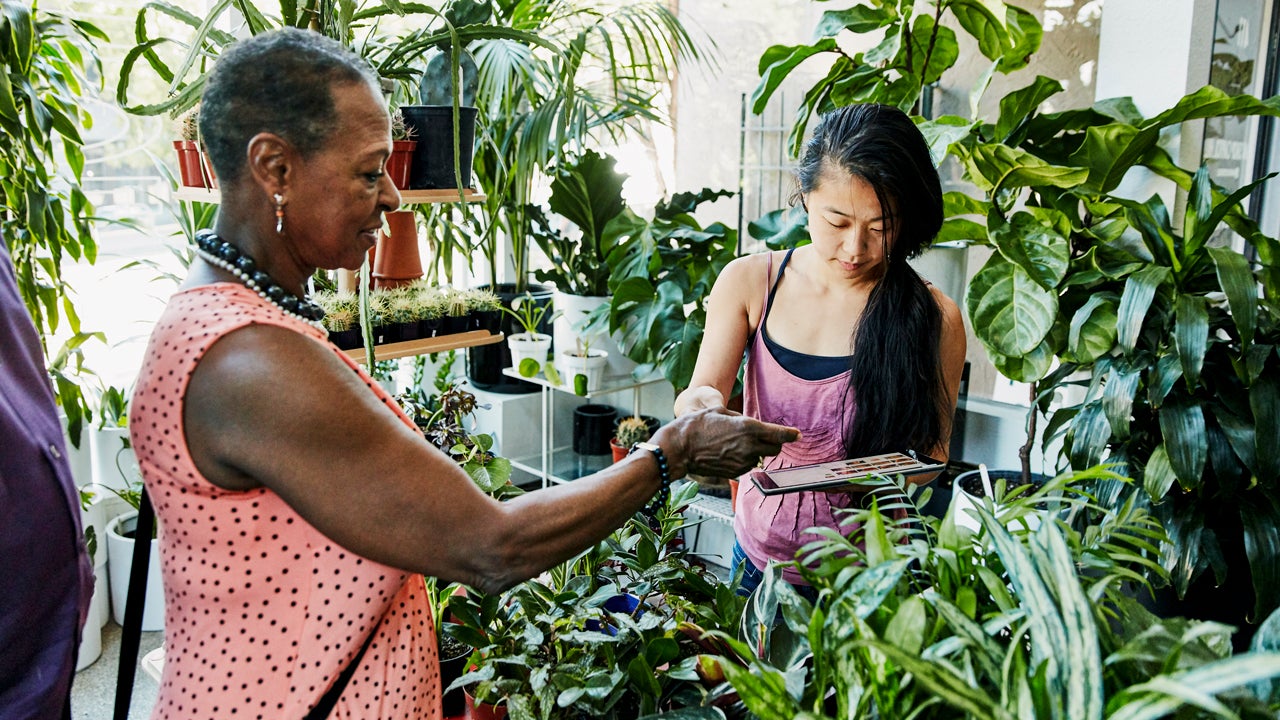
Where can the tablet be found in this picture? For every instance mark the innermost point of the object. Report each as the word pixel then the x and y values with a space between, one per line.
pixel 841 473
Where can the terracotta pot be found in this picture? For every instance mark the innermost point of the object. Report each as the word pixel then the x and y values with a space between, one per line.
pixel 396 259
pixel 483 711
pixel 210 178
pixel 190 167
pixel 399 164
pixel 619 452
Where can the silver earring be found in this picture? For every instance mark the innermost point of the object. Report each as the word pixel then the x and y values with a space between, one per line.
pixel 279 213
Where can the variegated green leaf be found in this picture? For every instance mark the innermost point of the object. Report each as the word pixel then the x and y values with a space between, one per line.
pixel 1082 664
pixel 1165 694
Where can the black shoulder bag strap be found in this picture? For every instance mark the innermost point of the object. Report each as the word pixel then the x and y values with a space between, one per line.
pixel 133 605
pixel 131 638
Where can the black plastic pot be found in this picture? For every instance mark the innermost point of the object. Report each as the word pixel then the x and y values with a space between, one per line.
pixel 452 668
pixel 592 428
pixel 432 164
pixel 485 363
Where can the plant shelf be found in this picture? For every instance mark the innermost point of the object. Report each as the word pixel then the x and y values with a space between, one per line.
pixel 407 197
pixel 426 346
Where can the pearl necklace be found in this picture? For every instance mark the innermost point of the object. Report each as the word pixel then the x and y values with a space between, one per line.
pixel 223 254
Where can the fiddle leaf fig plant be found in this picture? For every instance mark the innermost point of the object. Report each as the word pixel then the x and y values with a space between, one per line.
pixel 586 191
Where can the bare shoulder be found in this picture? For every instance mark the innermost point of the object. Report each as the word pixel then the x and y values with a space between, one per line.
pixel 948 307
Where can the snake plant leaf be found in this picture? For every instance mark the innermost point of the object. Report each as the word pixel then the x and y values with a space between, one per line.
pixel 1017 105
pixel 857 19
pixel 1117 398
pixel 1093 328
pixel 777 62
pixel 1010 311
pixel 1183 428
pixel 1241 289
pixel 1036 247
pixel 1090 433
pixel 1264 401
pixel 1260 522
pixel 1191 336
pixel 1158 476
pixel 1139 290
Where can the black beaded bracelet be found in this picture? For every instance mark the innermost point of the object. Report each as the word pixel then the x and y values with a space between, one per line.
pixel 660 498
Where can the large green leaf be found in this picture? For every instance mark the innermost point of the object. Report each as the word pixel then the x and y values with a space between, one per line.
pixel 1017 105
pixel 1000 167
pixel 1090 433
pixel 1165 694
pixel 1025 34
pixel 857 19
pixel 1009 310
pixel 1191 336
pixel 1264 401
pixel 1182 425
pixel 1027 367
pixel 1082 663
pixel 1139 289
pixel 1240 287
pixel 1260 526
pixel 1035 246
pixel 1158 475
pixel 1117 398
pixel 777 63
pixel 978 19
pixel 934 49
pixel 1093 328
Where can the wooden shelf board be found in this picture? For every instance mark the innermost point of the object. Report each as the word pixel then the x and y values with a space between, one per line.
pixel 426 346
pixel 407 197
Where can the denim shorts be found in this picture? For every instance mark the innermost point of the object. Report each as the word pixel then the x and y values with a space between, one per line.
pixel 752 576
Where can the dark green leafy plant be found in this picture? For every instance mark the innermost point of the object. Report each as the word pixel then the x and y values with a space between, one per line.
pixel 586 191
pixel 1183 385
pixel 49 65
pixel 661 272
pixel 548 648
pixel 917 48
pixel 444 420
pixel 928 620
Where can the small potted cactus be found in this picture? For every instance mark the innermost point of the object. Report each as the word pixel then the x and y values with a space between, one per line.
pixel 399 165
pixel 191 166
pixel 630 431
pixel 341 318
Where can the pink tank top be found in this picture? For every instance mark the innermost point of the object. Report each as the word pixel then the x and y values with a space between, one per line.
pixel 262 611
pixel 774 527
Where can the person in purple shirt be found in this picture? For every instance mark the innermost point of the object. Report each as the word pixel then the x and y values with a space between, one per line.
pixel 46 579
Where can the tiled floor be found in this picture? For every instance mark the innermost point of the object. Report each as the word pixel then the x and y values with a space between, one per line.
pixel 94 691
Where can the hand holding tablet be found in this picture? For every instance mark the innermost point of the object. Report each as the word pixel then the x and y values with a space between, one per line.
pixel 843 473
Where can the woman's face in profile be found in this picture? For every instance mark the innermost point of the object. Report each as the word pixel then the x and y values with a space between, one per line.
pixel 337 198
pixel 847 226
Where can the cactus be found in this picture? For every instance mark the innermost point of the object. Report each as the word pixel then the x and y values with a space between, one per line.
pixel 189 124
pixel 631 431
pixel 400 131
pixel 435 87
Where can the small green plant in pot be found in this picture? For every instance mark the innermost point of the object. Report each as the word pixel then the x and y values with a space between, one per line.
pixel 529 347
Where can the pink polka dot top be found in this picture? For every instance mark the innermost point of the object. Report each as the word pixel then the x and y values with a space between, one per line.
pixel 262 611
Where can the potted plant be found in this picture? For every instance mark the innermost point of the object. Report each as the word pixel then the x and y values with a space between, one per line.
pixel 583 366
pixel 191 164
pixel 917 618
pixel 120 536
pixel 341 317
pixel 403 143
pixel 631 430
pixel 529 346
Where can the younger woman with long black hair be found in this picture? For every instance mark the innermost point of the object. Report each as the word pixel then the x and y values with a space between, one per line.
pixel 843 339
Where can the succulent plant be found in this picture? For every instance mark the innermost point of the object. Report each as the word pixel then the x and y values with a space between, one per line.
pixel 339 319
pixel 189 124
pixel 399 130
pixel 632 430
pixel 435 87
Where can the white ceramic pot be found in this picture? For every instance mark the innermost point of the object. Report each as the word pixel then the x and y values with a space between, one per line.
pixel 528 345
pixel 965 503
pixel 114 463
pixel 96 517
pixel 573 311
pixel 80 459
pixel 120 550
pixel 593 367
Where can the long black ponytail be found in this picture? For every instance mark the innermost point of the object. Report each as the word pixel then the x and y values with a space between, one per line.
pixel 896 379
